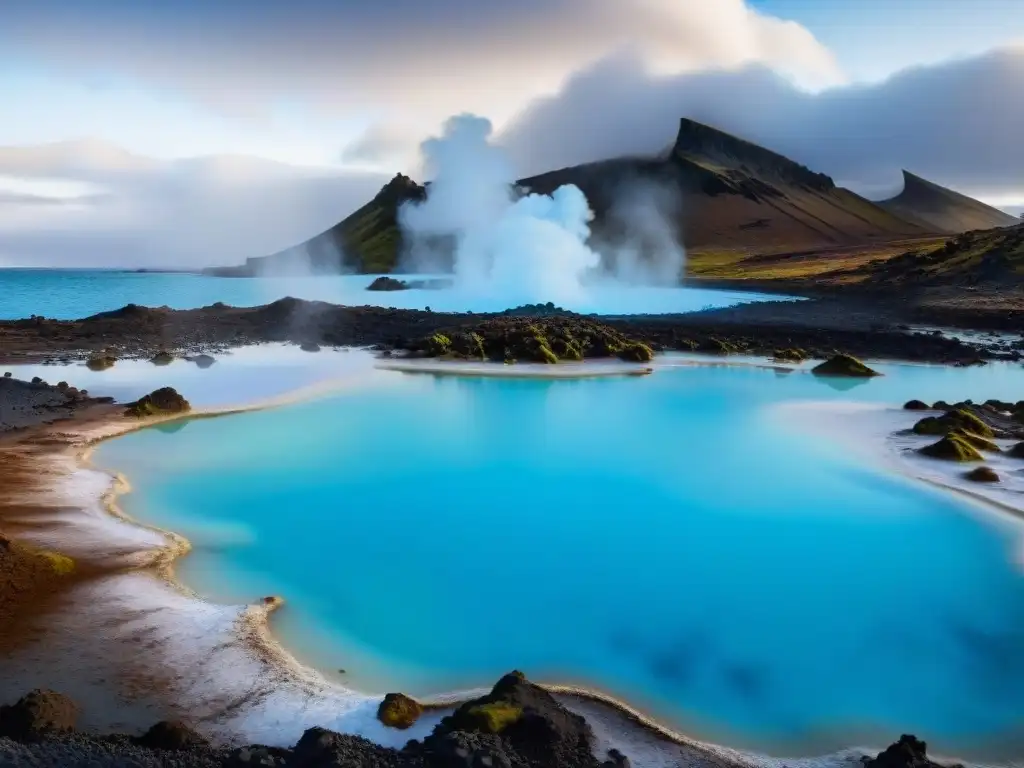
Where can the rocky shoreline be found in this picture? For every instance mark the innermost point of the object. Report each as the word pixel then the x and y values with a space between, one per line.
pixel 515 725
pixel 820 327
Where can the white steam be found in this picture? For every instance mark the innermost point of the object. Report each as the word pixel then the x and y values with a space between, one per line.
pixel 511 248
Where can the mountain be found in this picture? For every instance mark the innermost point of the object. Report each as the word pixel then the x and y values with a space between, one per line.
pixel 943 210
pixel 716 191
pixel 368 240
pixel 732 194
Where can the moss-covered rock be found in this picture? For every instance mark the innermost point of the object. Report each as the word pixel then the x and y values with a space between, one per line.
pixel 976 441
pixel 62 565
pixel 438 345
pixel 546 340
pixel 951 448
pixel 161 402
pixel 790 355
pixel 399 711
pixel 916 405
pixel 844 365
pixel 941 405
pixel 951 420
pixel 982 475
pixel 716 346
pixel 494 716
pixel 1017 452
pixel 100 362
pixel 163 357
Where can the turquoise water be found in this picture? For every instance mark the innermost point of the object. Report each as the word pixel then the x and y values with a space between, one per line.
pixel 72 294
pixel 665 539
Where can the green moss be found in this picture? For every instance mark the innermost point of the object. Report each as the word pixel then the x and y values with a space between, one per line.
pixel 844 365
pixel 545 354
pixel 976 441
pixel 635 352
pixel 62 565
pixel 438 345
pixel 496 716
pixel 953 420
pixel 952 448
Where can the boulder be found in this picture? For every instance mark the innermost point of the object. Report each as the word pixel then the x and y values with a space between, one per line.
pixel 309 346
pixel 38 714
pixel 953 419
pixel 321 747
pixel 1017 452
pixel 941 405
pixel 385 283
pixel 161 402
pixel 908 752
pixel 173 736
pixel 844 365
pixel 916 405
pixel 976 441
pixel 951 448
pixel 532 726
pixel 982 475
pixel 163 357
pixel 399 711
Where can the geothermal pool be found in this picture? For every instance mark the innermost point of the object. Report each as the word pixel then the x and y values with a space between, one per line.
pixel 66 294
pixel 667 539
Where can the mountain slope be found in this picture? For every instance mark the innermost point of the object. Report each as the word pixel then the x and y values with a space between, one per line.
pixel 729 193
pixel 993 256
pixel 714 190
pixel 943 210
pixel 368 240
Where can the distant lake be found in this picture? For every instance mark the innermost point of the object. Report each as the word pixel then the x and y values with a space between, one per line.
pixel 67 294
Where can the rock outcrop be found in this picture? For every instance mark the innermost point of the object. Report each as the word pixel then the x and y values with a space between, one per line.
pixel 983 475
pixel 38 714
pixel 916 405
pixel 161 402
pixel 539 340
pixel 951 448
pixel 844 365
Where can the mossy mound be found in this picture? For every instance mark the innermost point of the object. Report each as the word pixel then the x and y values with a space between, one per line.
pixel 716 346
pixel 546 340
pixel 844 365
pixel 161 402
pixel 976 441
pixel 951 448
pixel 941 405
pixel 982 475
pixel 162 358
pixel 100 362
pixel 951 420
pixel 793 355
pixel 916 405
pixel 494 716
pixel 399 711
pixel 1017 452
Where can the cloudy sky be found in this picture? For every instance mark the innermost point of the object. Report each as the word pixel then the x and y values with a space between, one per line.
pixel 205 131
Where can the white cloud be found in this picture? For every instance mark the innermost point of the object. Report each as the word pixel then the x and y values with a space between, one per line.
pixel 191 213
pixel 959 123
